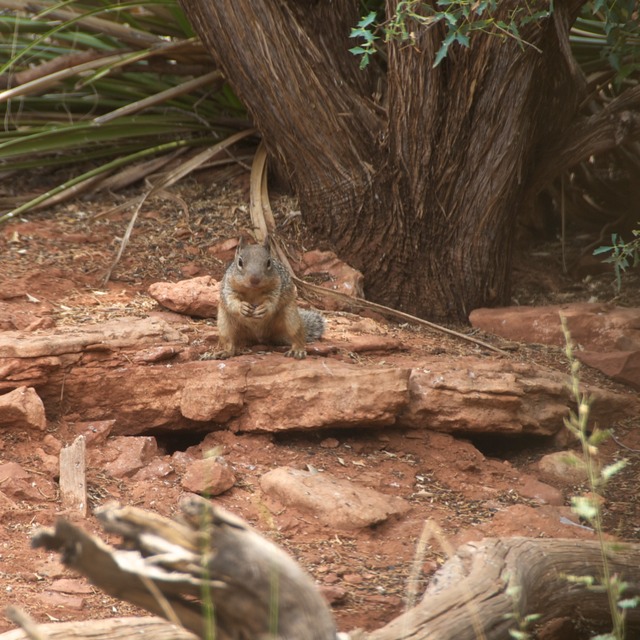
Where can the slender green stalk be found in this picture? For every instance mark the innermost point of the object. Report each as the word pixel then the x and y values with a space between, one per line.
pixel 590 507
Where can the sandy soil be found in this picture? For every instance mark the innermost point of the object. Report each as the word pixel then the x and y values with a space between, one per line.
pixel 60 258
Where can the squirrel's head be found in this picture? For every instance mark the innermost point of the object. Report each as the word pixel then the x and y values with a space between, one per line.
pixel 254 262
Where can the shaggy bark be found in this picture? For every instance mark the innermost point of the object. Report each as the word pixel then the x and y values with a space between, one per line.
pixel 257 590
pixel 416 176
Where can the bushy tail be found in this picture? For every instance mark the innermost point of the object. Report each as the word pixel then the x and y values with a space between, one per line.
pixel 313 323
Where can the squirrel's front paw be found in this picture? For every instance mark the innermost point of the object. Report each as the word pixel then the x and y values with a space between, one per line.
pixel 298 354
pixel 247 309
pixel 260 311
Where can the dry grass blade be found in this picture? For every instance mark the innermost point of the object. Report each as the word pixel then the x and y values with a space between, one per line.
pixel 124 33
pixel 173 92
pixel 259 208
pixel 45 82
pixel 133 173
pixel 199 159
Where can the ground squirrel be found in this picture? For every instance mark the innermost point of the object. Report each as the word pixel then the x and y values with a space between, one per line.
pixel 258 305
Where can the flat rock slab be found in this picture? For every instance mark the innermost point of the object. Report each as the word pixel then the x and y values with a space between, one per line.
pixel 271 393
pixel 607 337
pixel 32 358
pixel 195 297
pixel 337 503
pixel 474 395
pixel 117 334
pixel 595 327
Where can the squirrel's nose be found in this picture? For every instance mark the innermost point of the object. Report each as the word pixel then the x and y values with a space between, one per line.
pixel 254 280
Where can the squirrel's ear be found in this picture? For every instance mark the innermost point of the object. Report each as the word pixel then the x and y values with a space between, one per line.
pixel 241 243
pixel 267 242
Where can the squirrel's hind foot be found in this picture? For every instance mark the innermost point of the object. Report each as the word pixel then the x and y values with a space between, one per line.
pixel 298 354
pixel 216 355
pixel 224 354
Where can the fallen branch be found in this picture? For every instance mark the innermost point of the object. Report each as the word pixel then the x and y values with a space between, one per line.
pixel 217 576
pixel 212 570
pixel 111 629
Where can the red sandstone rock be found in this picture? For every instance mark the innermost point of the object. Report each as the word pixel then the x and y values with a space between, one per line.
pixel 69 585
pixel 594 327
pixel 475 395
pixel 195 297
pixel 209 477
pixel 337 503
pixel 608 338
pixel 20 484
pixel 622 366
pixel 542 493
pixel 566 467
pixel 317 393
pixel 116 334
pixel 341 277
pixel 132 453
pixel 272 393
pixel 22 409
pixel 59 602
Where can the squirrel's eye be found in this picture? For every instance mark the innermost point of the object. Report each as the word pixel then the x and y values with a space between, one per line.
pixel 269 263
pixel 240 263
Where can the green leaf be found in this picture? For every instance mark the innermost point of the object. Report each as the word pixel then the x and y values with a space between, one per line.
pixel 462 39
pixel 444 48
pixel 368 19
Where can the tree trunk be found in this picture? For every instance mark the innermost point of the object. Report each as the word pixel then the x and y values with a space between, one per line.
pixel 415 175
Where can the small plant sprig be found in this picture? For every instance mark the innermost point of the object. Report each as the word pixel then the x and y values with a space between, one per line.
pixel 461 18
pixel 589 507
pixel 523 622
pixel 623 254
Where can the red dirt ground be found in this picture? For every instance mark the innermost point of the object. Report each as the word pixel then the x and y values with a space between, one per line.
pixel 60 258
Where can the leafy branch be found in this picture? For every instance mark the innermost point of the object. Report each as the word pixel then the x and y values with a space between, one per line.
pixel 460 19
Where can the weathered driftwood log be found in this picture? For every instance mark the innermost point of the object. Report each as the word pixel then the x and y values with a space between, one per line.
pixel 256 590
pixel 213 574
pixel 109 629
pixel 476 592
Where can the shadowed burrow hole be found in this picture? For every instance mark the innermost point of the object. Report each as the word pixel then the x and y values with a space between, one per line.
pixel 516 449
pixel 170 441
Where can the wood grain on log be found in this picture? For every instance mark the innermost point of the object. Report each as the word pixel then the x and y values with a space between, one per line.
pixel 254 589
pixel 475 593
pixel 110 629
pixel 213 572
pixel 73 481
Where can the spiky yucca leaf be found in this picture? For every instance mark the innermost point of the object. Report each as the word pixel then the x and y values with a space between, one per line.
pixel 104 84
